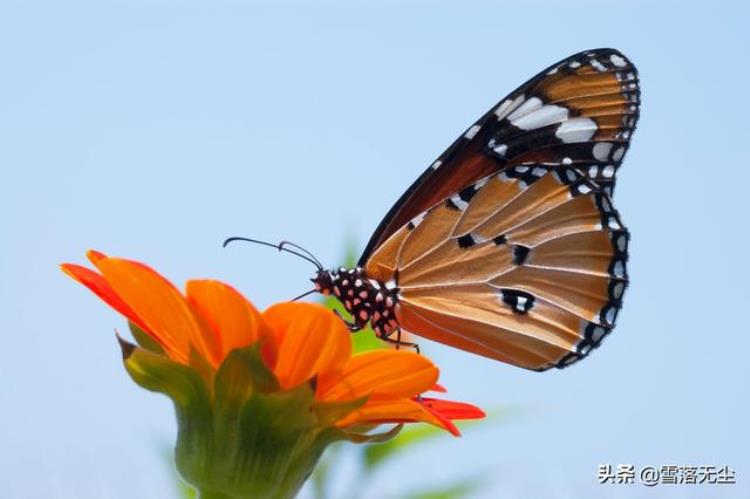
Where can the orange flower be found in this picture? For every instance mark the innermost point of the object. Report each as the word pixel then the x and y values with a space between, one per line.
pixel 302 344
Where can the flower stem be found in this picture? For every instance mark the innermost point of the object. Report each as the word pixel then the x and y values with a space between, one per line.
pixel 214 494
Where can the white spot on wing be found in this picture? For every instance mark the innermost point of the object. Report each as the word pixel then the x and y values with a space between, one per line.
pixel 619 269
pixel 521 303
pixel 507 106
pixel 601 150
pixel 611 315
pixel 541 117
pixel 617 61
pixel 460 203
pixel 436 164
pixel 622 243
pixel 527 107
pixel 418 219
pixel 471 132
pixel 578 129
pixel 501 149
pixel 597 334
pixel 619 152
pixel 598 65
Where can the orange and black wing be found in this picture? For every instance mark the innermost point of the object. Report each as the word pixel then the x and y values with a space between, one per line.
pixel 579 112
pixel 526 266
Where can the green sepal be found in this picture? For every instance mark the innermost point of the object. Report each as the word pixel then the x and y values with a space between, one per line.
pixel 199 363
pixel 250 360
pixel 266 450
pixel 161 374
pixel 373 438
pixel 328 413
pixel 240 434
pixel 144 340
pixel 184 386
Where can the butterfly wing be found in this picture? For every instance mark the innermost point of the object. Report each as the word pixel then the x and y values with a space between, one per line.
pixel 527 266
pixel 580 112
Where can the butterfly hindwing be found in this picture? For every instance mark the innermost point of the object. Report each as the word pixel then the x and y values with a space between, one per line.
pixel 580 112
pixel 526 266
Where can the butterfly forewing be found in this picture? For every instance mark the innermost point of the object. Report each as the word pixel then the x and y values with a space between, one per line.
pixel 579 112
pixel 526 266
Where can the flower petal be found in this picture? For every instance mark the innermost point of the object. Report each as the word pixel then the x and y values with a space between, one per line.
pixel 396 373
pixel 396 410
pixel 453 410
pixel 438 388
pixel 310 339
pixel 94 256
pixel 158 303
pixel 233 321
pixel 99 286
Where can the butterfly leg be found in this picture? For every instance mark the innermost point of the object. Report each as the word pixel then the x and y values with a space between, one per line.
pixel 398 341
pixel 352 326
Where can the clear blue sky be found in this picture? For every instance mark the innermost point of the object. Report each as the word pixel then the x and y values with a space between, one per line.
pixel 155 129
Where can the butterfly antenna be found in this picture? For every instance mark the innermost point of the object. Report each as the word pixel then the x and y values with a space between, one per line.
pixel 297 246
pixel 279 247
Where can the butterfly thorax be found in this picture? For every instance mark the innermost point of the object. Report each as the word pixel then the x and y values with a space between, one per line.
pixel 366 299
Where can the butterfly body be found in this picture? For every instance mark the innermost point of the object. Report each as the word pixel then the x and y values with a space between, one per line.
pixel 508 245
pixel 366 299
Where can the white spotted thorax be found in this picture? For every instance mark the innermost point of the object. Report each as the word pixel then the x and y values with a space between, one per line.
pixel 367 300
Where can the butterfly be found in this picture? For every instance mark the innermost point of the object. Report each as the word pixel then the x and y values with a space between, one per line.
pixel 508 245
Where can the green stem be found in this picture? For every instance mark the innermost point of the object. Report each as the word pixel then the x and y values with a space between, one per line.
pixel 214 494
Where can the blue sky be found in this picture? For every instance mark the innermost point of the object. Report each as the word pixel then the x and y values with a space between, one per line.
pixel 154 130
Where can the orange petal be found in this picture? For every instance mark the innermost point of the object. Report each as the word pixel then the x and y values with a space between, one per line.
pixel 158 303
pixel 396 411
pixel 453 410
pixel 438 388
pixel 94 256
pixel 96 283
pixel 233 320
pixel 396 373
pixel 310 339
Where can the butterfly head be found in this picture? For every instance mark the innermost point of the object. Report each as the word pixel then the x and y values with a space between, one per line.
pixel 324 281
